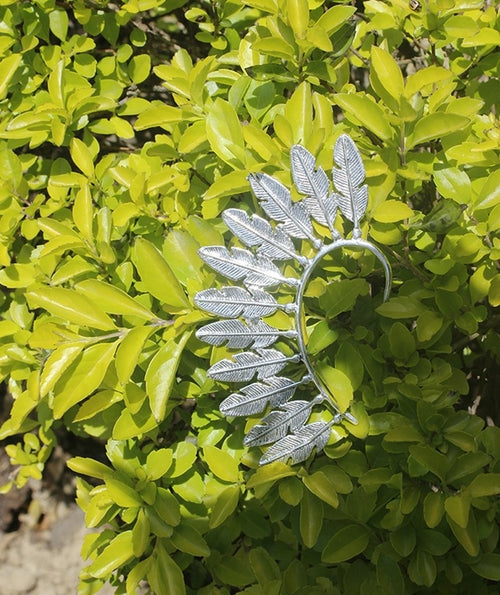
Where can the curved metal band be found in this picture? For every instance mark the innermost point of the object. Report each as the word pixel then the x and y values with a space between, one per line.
pixel 299 311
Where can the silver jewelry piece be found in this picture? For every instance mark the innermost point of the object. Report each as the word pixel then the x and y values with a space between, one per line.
pixel 285 427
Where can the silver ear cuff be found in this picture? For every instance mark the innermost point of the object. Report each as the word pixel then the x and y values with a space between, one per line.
pixel 244 307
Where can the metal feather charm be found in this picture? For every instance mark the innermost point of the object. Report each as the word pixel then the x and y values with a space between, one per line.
pixel 239 335
pixel 255 397
pixel 275 425
pixel 256 231
pixel 298 446
pixel 315 186
pixel 277 203
pixel 264 363
pixel 231 302
pixel 347 178
pixel 285 426
pixel 242 264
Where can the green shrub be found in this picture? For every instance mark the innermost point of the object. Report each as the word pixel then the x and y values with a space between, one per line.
pixel 125 129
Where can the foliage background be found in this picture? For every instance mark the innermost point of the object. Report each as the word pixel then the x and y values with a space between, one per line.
pixel 125 129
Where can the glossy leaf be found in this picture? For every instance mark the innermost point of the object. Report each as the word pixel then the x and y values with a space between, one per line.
pixel 366 112
pixel 386 77
pixel 221 463
pixel 346 543
pixel 141 534
pixel 488 566
pixel 121 493
pixel 322 486
pixel 118 552
pixel 56 364
pixel 112 300
pixel 187 539
pixel 224 506
pixel 165 575
pixel 82 157
pixel 129 351
pixel 311 519
pixel 391 211
pixel 157 277
pixel 83 377
pixel 435 126
pixel 224 133
pixel 71 306
pixel 87 466
pixel 161 374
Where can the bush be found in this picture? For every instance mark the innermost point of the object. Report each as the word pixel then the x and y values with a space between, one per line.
pixel 126 128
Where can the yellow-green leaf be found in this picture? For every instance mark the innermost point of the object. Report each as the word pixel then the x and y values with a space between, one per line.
pixel 165 576
pixel 161 374
pixel 385 77
pixel 129 351
pixel 158 462
pixel 121 493
pixel 157 276
pixel 158 115
pixel 321 486
pixel 18 275
pixel 82 377
pixel 56 364
pixel 82 157
pixel 89 467
pixel 224 506
pixel 187 539
pixel 365 112
pixel 224 133
pixel 391 211
pixel 119 551
pixel 141 534
pixel 298 16
pixel 58 23
pixel 311 518
pixel 298 112
pixel 71 306
pixel 435 126
pixel 8 67
pixel 112 299
pixel 221 463
pixel 83 212
pixel 337 385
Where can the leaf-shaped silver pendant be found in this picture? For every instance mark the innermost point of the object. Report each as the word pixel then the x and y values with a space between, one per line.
pixel 298 446
pixel 264 363
pixel 256 231
pixel 314 184
pixel 289 417
pixel 277 203
pixel 231 302
pixel 347 178
pixel 239 335
pixel 243 264
pixel 254 398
